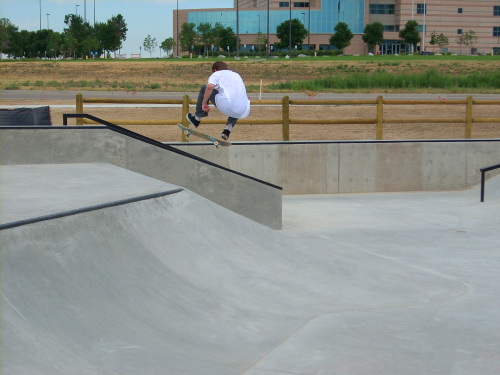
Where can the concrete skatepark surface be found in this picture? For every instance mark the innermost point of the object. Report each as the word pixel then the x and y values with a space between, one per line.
pixel 171 283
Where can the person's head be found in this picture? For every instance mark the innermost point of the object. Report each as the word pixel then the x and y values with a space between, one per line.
pixel 219 65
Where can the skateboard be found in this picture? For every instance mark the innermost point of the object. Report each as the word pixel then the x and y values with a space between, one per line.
pixel 215 141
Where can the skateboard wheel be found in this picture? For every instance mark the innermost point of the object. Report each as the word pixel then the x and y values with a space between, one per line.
pixel 186 132
pixel 216 143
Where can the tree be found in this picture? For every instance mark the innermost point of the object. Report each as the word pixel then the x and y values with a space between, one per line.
pixel 168 45
pixel 187 36
pixel 299 32
pixel 120 29
pixel 260 42
pixel 469 39
pixel 7 31
pixel 342 37
pixel 77 31
pixel 150 44
pixel 433 40
pixel 69 44
pixel 442 41
pixel 410 34
pixel 460 40
pixel 227 38
pixel 205 35
pixel 373 35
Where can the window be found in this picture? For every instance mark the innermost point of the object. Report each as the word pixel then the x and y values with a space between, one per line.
pixel 391 27
pixel 460 10
pixel 459 31
pixel 301 5
pixel 381 8
pixel 421 8
pixel 496 10
pixel 284 4
pixel 496 30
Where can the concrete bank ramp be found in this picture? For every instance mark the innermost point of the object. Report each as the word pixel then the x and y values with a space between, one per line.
pixel 173 284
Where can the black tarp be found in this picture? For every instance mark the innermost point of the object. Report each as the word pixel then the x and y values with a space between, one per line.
pixel 25 116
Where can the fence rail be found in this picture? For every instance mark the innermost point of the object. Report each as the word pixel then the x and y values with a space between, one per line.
pixel 378 121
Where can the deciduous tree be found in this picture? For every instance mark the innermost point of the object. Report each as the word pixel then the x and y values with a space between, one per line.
pixel 342 37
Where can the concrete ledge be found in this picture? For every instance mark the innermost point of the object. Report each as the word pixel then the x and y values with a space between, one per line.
pixel 359 166
pixel 245 195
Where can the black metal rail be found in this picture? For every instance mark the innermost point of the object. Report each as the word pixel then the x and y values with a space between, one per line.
pixel 153 142
pixel 483 172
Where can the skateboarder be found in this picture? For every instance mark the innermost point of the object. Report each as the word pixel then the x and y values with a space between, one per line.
pixel 226 90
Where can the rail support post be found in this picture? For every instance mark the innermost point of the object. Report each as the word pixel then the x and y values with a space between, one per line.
pixel 185 111
pixel 468 118
pixel 79 108
pixel 286 118
pixel 380 118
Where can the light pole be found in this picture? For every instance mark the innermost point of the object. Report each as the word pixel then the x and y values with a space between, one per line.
pixel 237 29
pixel 177 28
pixel 258 15
pixel 40 3
pixel 290 30
pixel 424 31
pixel 94 13
pixel 84 10
pixel 77 9
pixel 48 14
pixel 268 42
pixel 309 31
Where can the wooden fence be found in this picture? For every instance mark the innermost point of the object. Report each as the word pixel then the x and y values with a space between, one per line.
pixel 378 121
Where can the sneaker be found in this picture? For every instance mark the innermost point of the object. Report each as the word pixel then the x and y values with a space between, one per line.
pixel 225 134
pixel 192 120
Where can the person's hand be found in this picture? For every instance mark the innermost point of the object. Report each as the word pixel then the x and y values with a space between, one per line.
pixel 205 107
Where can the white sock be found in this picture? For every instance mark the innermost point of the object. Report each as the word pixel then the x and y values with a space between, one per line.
pixel 197 118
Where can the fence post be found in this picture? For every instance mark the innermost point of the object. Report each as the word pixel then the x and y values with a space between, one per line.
pixel 79 108
pixel 285 118
pixel 468 118
pixel 185 111
pixel 380 118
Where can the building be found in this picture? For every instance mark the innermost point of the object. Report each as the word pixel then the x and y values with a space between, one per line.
pixel 448 17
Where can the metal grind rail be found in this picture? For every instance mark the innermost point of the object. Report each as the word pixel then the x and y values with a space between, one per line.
pixel 483 172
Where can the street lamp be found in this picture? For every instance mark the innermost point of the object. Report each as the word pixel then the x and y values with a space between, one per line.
pixel 258 15
pixel 40 3
pixel 309 31
pixel 290 30
pixel 237 29
pixel 268 42
pixel 77 9
pixel 48 14
pixel 177 28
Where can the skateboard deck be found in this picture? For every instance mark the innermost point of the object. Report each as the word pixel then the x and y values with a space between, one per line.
pixel 217 142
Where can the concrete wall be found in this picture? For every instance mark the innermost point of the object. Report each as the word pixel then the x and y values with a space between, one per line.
pixel 362 166
pixel 258 201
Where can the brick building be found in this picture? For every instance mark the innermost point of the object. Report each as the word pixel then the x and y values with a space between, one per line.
pixel 449 17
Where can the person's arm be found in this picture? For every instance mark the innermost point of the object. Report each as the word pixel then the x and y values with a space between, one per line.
pixel 208 91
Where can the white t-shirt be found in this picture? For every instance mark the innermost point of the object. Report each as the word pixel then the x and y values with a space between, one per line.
pixel 232 99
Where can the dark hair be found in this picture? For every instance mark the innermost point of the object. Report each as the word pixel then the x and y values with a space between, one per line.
pixel 219 65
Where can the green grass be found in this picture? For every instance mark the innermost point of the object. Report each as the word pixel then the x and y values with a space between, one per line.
pixel 429 79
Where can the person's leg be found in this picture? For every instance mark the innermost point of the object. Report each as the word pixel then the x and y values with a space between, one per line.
pixel 199 103
pixel 231 122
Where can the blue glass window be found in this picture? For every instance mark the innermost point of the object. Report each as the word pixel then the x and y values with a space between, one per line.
pixel 322 21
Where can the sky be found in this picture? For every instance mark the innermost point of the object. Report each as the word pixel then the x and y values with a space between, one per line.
pixel 143 18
